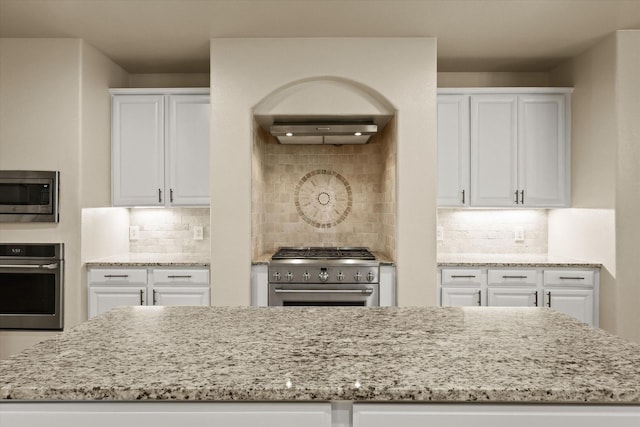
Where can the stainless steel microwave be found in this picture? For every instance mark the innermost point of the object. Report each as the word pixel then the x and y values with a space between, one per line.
pixel 29 196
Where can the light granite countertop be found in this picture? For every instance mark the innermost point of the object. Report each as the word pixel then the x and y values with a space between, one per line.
pixel 511 260
pixel 441 354
pixel 151 260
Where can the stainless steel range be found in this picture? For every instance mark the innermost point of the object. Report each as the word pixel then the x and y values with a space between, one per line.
pixel 318 276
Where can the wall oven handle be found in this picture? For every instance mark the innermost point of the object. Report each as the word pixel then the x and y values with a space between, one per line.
pixel 52 266
pixel 367 291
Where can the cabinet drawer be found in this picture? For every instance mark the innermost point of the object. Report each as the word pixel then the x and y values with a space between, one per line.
pixel 569 278
pixel 110 276
pixel 461 276
pixel 180 276
pixel 512 277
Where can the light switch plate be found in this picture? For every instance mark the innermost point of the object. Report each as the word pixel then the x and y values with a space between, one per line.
pixel 134 232
pixel 440 234
pixel 518 234
pixel 198 232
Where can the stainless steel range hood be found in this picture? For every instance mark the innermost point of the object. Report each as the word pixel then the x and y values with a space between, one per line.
pixel 332 133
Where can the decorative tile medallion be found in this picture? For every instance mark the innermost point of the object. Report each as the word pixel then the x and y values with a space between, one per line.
pixel 323 198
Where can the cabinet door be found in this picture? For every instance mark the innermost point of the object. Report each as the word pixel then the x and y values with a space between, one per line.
pixel 542 150
pixel 512 297
pixel 188 146
pixel 461 297
pixel 180 296
pixel 138 150
pixel 493 150
pixel 453 150
pixel 577 303
pixel 104 298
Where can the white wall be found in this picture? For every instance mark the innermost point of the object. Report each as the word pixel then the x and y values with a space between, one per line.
pixel 628 183
pixel 245 71
pixel 49 110
pixel 493 79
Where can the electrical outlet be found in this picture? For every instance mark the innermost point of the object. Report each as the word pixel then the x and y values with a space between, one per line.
pixel 134 232
pixel 518 234
pixel 198 232
pixel 440 234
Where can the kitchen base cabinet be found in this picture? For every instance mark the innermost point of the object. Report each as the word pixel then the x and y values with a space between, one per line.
pixel 104 298
pixel 161 414
pixel 113 287
pixel 481 415
pixel 312 414
pixel 573 291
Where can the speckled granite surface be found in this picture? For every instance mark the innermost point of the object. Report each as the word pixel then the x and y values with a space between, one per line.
pixel 507 260
pixel 151 260
pixel 288 353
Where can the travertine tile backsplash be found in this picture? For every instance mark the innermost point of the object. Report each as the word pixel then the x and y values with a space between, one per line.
pixel 473 231
pixel 357 209
pixel 170 230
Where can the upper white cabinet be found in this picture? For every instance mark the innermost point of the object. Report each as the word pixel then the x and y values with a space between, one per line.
pixel 453 150
pixel 160 147
pixel 517 147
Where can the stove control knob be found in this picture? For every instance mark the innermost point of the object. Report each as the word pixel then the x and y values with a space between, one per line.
pixel 289 276
pixel 276 276
pixel 370 276
pixel 306 276
pixel 358 276
pixel 323 275
pixel 340 276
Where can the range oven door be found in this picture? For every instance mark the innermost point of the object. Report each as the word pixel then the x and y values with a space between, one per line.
pixel 31 295
pixel 291 294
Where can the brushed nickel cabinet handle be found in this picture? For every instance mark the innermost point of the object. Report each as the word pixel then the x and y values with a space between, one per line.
pixel 516 194
pixel 141 297
pixel 572 278
pixel 514 277
pixel 159 195
pixel 112 276
pixel 171 195
pixel 480 298
pixel 522 197
pixel 463 276
pixel 180 277
pixel 535 298
pixel 463 197
pixel 154 297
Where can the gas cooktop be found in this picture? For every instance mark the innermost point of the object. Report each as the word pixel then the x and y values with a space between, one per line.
pixel 311 252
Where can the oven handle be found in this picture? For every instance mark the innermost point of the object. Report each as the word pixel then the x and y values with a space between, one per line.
pixel 52 266
pixel 367 291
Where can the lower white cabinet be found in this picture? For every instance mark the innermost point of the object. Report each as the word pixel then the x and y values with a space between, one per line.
pixel 113 287
pixel 573 291
pixel 481 415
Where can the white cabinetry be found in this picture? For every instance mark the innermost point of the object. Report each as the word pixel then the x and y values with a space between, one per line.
pixel 453 150
pixel 518 142
pixel 474 415
pixel 573 291
pixel 512 288
pixel 113 287
pixel 462 287
pixel 160 147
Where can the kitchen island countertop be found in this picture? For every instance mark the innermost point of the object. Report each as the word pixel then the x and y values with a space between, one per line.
pixel 440 354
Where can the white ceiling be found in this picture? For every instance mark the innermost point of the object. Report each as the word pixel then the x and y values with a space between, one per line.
pixel 163 36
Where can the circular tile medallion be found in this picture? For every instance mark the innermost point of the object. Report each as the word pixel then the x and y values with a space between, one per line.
pixel 323 198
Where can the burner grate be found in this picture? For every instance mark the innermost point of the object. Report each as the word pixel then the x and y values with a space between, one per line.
pixel 324 253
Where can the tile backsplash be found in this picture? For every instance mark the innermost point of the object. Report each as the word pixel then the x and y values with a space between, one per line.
pixel 170 230
pixel 489 231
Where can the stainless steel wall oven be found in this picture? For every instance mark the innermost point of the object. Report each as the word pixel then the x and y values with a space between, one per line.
pixel 31 286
